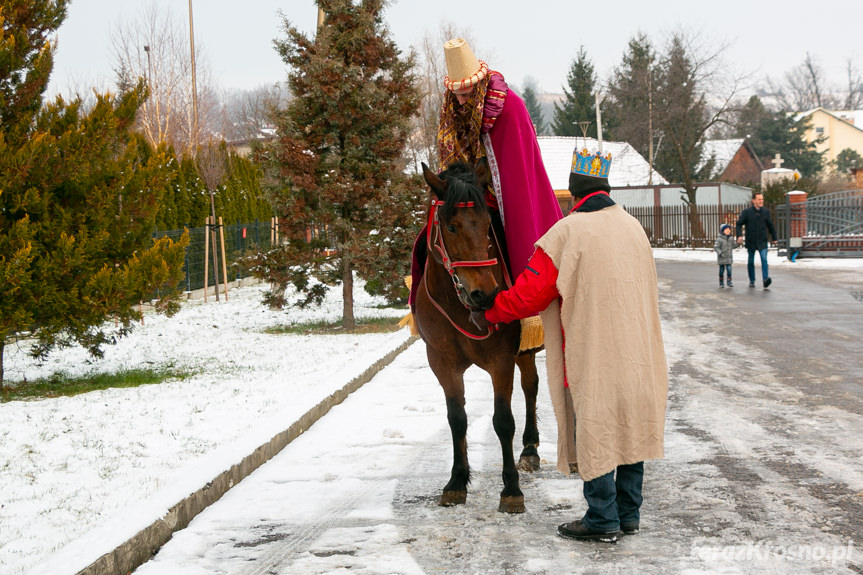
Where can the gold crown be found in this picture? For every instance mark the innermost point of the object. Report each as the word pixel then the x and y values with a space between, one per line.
pixel 593 165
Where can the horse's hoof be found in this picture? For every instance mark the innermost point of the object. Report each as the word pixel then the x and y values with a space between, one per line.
pixel 511 504
pixel 450 498
pixel 528 463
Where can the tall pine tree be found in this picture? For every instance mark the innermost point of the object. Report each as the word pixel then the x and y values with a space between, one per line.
pixel 631 89
pixel 78 197
pixel 531 102
pixel 335 173
pixel 579 101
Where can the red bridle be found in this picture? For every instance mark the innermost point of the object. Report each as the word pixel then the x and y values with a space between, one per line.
pixel 435 240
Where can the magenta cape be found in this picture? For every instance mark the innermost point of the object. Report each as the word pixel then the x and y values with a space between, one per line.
pixel 530 207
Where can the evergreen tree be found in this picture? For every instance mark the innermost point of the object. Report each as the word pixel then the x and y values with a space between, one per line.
pixel 630 97
pixel 338 160
pixel 579 102
pixel 848 159
pixel 533 108
pixel 772 133
pixel 78 197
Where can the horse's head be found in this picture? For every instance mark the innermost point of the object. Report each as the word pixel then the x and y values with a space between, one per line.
pixel 459 231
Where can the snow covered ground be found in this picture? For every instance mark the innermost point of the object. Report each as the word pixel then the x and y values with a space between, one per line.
pixel 71 466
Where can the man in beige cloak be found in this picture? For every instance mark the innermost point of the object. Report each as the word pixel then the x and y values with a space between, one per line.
pixel 593 279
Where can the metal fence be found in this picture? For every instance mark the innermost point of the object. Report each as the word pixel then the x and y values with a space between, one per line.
pixel 670 226
pixel 826 225
pixel 240 240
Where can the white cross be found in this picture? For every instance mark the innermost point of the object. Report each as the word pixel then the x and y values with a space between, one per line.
pixel 777 161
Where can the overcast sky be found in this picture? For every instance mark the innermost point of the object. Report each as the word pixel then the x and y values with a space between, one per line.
pixel 520 39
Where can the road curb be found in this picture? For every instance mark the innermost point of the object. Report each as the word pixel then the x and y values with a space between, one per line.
pixel 139 549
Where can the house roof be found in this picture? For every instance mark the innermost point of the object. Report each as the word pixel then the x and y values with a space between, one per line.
pixel 628 167
pixel 854 118
pixel 723 151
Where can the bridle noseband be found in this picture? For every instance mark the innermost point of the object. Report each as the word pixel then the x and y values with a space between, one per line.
pixel 435 240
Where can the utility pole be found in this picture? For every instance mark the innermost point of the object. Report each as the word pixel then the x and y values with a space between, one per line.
pixel 649 127
pixel 194 144
pixel 194 86
pixel 598 121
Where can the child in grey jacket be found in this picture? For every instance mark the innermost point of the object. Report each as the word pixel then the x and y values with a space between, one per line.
pixel 724 248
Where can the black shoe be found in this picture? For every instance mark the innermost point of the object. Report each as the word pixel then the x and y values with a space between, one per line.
pixel 577 530
pixel 751 284
pixel 721 285
pixel 730 284
pixel 767 283
pixel 629 528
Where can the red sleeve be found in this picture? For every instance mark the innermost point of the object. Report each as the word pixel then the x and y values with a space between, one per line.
pixel 534 289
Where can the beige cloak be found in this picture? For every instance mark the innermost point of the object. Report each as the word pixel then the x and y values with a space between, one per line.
pixel 614 356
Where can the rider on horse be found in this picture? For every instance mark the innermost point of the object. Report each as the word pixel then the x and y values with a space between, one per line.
pixel 481 117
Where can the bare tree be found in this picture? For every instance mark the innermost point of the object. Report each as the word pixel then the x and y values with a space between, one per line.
pixel 248 113
pixel 854 99
pixel 155 47
pixel 695 95
pixel 804 88
pixel 423 140
pixel 211 162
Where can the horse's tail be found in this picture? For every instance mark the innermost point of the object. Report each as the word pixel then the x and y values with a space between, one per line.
pixel 409 320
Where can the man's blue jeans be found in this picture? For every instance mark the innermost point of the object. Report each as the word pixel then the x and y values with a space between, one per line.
pixel 611 501
pixel 750 265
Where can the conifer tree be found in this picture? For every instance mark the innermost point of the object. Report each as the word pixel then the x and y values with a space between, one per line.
pixel 579 103
pixel 78 197
pixel 335 173
pixel 629 107
pixel 531 102
pixel 776 132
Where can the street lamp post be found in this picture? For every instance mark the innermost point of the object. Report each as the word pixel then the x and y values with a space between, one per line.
pixel 149 67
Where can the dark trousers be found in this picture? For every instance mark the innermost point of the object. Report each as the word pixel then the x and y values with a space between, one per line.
pixel 612 501
pixel 725 268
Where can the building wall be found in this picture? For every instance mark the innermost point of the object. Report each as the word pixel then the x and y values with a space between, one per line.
pixel 839 134
pixel 707 195
pixel 742 169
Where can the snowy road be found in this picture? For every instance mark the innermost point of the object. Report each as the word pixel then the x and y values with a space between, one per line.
pixel 763 470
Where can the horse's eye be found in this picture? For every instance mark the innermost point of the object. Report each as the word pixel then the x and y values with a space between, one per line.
pixel 450 228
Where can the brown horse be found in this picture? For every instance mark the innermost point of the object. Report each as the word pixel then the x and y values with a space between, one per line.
pixel 463 272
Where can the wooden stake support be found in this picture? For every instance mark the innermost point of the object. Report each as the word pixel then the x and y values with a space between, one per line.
pixel 206 256
pixel 224 265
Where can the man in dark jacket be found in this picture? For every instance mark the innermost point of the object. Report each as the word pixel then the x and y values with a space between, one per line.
pixel 756 220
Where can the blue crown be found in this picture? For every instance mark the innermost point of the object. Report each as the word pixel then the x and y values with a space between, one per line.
pixel 593 165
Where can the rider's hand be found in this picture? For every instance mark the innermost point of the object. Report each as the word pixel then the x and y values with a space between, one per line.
pixel 478 319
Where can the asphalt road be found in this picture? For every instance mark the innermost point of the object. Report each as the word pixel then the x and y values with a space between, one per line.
pixel 808 324
pixel 763 470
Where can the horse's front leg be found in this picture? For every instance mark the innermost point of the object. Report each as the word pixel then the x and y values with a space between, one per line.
pixel 511 498
pixel 451 380
pixel 455 492
pixel 529 458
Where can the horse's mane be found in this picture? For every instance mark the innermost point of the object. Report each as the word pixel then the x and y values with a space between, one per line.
pixel 462 187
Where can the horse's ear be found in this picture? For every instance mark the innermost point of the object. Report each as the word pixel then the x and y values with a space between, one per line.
pixel 437 185
pixel 482 172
